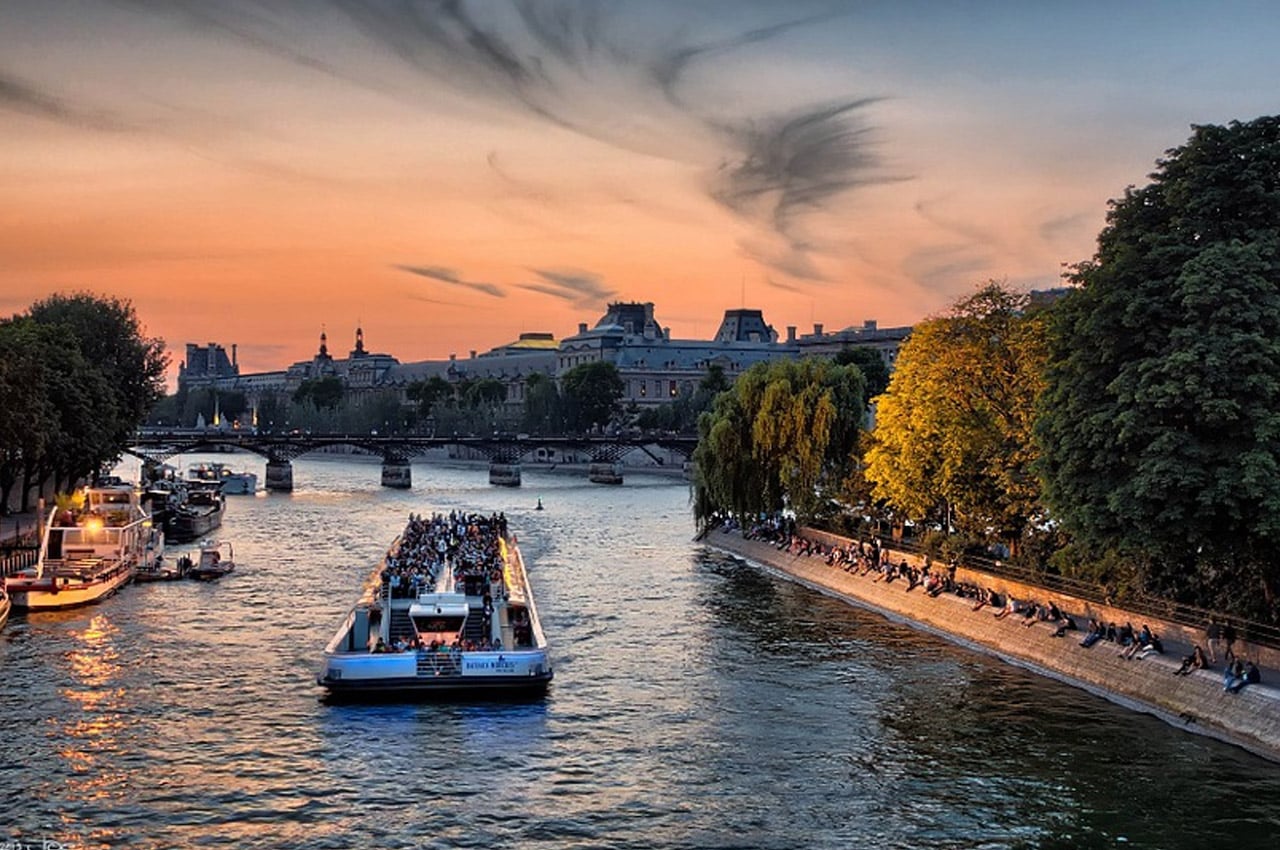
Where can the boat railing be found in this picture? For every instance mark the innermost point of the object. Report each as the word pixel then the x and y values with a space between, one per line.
pixel 439 663
pixel 517 581
pixel 522 583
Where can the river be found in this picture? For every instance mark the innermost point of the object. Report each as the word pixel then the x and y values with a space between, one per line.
pixel 698 702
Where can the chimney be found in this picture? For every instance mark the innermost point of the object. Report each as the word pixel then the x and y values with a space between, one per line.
pixel 869 324
pixel 791 333
pixel 452 357
pixel 582 327
pixel 817 329
pixel 473 354
pixel 233 355
pixel 666 334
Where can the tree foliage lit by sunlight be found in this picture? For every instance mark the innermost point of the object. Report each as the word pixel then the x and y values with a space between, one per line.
pixel 952 442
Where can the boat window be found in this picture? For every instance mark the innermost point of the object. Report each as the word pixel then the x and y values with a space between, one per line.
pixel 450 625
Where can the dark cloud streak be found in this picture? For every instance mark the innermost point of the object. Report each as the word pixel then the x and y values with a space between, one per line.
pixel 583 289
pixel 451 277
pixel 579 64
pixel 25 98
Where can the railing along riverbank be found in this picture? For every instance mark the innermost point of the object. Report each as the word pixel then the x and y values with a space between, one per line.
pixel 1189 617
pixel 1195 702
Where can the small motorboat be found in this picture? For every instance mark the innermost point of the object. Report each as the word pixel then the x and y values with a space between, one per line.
pixel 214 561
pixel 162 570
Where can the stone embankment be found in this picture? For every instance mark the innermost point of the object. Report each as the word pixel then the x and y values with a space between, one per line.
pixel 1196 702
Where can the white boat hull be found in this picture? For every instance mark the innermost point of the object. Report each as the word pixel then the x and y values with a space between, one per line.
pixel 423 672
pixel 52 593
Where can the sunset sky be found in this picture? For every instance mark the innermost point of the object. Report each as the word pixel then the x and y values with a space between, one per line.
pixel 450 174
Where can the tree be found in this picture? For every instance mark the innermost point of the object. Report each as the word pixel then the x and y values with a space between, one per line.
pixel 427 394
pixel 952 442
pixel 27 415
pixel 542 405
pixel 872 365
pixel 323 393
pixel 486 392
pixel 782 436
pixel 1160 428
pixel 591 393
pixel 109 337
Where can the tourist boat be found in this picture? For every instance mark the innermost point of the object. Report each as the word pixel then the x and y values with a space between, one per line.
pixel 89 550
pixel 233 483
pixel 214 560
pixel 472 630
pixel 193 511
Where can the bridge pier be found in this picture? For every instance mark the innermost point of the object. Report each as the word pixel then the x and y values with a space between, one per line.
pixel 504 474
pixel 397 473
pixel 279 476
pixel 604 472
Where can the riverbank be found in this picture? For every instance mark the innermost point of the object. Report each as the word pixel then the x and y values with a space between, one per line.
pixel 1194 703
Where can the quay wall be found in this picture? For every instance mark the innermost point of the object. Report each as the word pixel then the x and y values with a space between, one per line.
pixel 1195 703
pixel 1082 609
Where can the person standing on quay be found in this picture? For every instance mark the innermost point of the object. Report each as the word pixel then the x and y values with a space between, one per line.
pixel 1213 636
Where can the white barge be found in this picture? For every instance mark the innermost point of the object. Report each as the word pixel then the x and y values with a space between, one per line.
pixel 90 550
pixel 449 611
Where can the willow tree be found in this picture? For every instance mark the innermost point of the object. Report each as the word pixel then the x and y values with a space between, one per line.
pixel 781 436
pixel 1161 420
pixel 952 442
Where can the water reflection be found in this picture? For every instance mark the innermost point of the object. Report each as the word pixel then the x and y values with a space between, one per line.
pixel 697 703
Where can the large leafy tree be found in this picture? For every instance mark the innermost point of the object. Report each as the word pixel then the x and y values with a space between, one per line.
pixel 781 436
pixel 109 337
pixel 872 365
pixel 1160 429
pixel 952 441
pixel 591 393
pixel 77 377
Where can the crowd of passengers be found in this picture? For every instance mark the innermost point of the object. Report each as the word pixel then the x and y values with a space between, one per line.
pixel 862 557
pixel 466 544
pixel 414 643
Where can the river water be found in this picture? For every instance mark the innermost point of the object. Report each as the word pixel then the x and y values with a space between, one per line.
pixel 698 702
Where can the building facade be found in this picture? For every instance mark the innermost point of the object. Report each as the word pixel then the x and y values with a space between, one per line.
pixel 655 368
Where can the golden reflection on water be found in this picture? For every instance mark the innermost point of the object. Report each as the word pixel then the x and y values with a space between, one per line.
pixel 86 724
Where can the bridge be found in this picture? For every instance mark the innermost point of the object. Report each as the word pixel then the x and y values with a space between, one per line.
pixel 503 451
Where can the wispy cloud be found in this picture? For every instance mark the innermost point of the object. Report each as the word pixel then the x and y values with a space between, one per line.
pixel 451 277
pixel 20 96
pixel 610 73
pixel 778 284
pixel 583 289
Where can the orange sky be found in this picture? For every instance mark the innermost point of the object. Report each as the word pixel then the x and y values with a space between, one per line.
pixel 249 172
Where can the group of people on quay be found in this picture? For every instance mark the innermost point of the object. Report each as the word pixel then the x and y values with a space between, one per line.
pixel 466 544
pixel 865 557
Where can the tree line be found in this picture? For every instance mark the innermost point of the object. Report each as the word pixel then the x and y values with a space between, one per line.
pixel 77 377
pixel 1127 432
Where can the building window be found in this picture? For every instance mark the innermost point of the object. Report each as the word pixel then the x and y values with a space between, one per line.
pixel 644 389
pixel 674 391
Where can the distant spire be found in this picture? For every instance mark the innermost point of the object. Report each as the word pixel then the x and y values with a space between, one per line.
pixel 359 340
pixel 324 343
